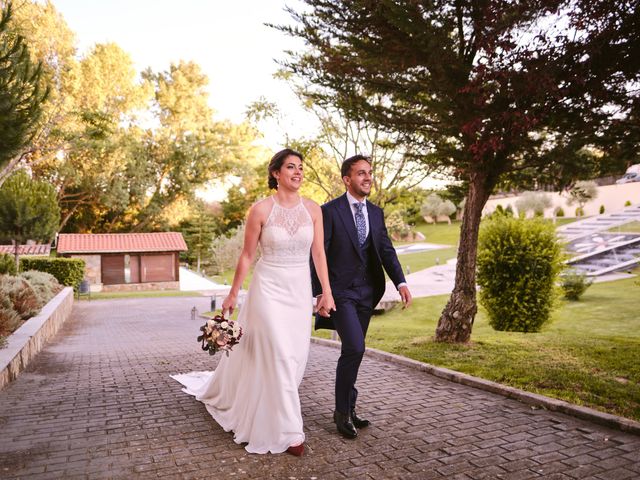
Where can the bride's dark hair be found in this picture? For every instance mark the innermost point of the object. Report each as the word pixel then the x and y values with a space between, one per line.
pixel 276 164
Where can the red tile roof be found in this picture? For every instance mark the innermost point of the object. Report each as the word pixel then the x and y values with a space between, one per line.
pixel 120 242
pixel 38 249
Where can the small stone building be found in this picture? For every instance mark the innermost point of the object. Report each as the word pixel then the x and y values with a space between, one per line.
pixel 127 261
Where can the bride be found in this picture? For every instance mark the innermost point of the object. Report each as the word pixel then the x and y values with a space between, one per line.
pixel 254 391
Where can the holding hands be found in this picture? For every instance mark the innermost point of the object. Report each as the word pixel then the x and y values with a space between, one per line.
pixel 325 304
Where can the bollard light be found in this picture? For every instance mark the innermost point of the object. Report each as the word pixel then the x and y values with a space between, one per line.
pixel 213 303
pixel 194 312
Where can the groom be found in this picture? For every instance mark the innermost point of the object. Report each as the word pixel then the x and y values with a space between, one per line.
pixel 358 247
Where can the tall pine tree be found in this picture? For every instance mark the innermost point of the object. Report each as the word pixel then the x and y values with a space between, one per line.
pixel 28 211
pixel 22 95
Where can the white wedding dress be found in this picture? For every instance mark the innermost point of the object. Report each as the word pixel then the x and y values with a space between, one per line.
pixel 254 391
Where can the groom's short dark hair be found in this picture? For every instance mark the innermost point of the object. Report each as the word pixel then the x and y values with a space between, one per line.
pixel 346 165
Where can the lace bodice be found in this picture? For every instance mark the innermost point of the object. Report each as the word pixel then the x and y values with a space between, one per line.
pixel 287 235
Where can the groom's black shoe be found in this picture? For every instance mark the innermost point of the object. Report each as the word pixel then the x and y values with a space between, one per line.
pixel 359 422
pixel 345 425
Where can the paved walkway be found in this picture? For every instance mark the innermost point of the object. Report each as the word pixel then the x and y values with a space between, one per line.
pixel 98 403
pixel 192 281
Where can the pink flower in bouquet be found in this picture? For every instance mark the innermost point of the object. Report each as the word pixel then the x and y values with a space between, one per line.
pixel 219 333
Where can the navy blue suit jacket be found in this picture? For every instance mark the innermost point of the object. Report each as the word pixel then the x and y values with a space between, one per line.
pixel 344 256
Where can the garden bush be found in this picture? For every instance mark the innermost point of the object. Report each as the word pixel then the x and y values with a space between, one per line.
pixel 398 228
pixel 9 318
pixel 518 264
pixel 7 264
pixel 574 284
pixel 627 203
pixel 559 212
pixel 579 212
pixel 45 284
pixel 601 211
pixel 68 271
pixel 21 294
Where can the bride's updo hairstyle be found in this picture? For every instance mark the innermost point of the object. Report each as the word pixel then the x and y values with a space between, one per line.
pixel 276 164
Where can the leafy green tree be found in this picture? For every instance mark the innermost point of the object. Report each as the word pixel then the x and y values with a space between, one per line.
pixel 430 206
pixel 22 94
pixel 189 148
pixel 28 211
pixel 485 89
pixel 582 192
pixel 395 165
pixel 199 231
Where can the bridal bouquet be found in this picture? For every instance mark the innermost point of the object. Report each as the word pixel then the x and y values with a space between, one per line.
pixel 219 333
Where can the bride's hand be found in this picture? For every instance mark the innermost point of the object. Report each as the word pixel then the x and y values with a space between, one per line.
pixel 228 304
pixel 326 305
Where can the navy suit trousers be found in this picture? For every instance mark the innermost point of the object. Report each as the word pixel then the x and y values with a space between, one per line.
pixel 351 319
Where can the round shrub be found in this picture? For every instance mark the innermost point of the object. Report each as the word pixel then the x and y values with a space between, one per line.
pixel 579 212
pixel 574 284
pixel 23 297
pixel 9 318
pixel 627 203
pixel 559 212
pixel 45 284
pixel 601 211
pixel 7 264
pixel 518 263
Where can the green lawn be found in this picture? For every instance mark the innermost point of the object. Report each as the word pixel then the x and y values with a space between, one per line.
pixel 141 294
pixel 588 355
pixel 226 277
pixel 421 260
pixel 442 233
pixel 565 221
pixel 633 227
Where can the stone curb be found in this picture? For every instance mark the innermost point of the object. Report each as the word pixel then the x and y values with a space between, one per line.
pixel 534 399
pixel 28 340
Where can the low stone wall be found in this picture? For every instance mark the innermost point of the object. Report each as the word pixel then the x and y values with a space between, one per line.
pixel 28 340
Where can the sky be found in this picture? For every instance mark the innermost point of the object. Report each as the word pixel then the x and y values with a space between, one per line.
pixel 227 38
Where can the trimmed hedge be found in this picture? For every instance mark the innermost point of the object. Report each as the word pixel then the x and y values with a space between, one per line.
pixel 518 263
pixel 7 264
pixel 68 271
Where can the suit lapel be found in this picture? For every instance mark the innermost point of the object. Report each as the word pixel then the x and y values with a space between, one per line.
pixel 346 216
pixel 373 225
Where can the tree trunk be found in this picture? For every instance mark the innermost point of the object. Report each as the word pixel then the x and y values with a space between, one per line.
pixel 17 255
pixel 457 317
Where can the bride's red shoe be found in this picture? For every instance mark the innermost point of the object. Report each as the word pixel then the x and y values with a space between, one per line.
pixel 297 450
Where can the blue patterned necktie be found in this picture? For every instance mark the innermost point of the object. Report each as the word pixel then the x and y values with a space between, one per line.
pixel 361 225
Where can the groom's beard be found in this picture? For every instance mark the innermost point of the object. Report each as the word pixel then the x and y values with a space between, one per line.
pixel 359 191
